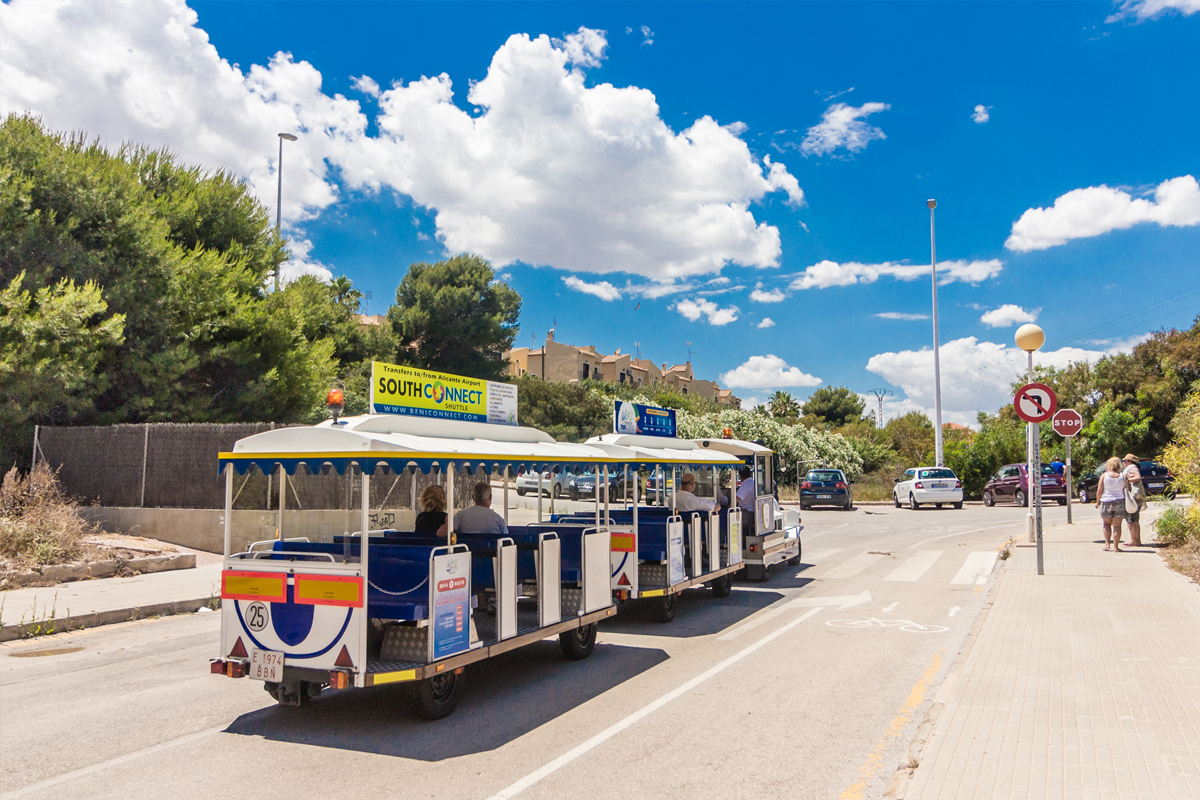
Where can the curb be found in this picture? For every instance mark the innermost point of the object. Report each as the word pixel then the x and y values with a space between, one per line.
pixel 45 627
pixel 83 570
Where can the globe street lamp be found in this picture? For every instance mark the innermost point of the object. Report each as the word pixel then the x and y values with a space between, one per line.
pixel 291 137
pixel 937 367
pixel 1029 338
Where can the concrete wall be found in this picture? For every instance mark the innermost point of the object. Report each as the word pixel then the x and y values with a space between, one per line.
pixel 203 529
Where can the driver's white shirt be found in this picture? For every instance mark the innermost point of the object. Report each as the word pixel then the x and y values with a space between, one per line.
pixel 686 501
pixel 745 495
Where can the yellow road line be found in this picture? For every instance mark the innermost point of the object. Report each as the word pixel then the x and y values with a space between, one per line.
pixel 874 760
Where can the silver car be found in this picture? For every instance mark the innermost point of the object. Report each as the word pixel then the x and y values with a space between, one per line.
pixel 552 485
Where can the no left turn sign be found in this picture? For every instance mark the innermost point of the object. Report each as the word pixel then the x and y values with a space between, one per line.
pixel 1035 402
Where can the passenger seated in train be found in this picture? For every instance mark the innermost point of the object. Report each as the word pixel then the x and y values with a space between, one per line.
pixel 686 500
pixel 432 518
pixel 745 492
pixel 480 518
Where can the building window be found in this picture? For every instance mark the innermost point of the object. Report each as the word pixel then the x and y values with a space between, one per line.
pixel 586 367
pixel 622 377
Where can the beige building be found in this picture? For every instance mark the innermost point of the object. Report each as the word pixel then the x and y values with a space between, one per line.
pixel 565 363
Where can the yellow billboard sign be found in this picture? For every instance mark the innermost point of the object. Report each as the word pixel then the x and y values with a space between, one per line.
pixel 438 395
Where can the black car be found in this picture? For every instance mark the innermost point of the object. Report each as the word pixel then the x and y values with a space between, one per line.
pixel 826 487
pixel 585 486
pixel 1156 479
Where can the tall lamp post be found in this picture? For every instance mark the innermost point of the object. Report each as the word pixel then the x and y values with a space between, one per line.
pixel 1030 338
pixel 937 366
pixel 291 137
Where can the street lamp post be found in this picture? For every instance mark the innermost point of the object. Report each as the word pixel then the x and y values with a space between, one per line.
pixel 1030 338
pixel 937 366
pixel 291 137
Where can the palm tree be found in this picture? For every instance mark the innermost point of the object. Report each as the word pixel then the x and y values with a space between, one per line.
pixel 783 405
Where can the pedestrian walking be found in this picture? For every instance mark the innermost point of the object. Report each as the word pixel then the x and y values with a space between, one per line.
pixel 1133 477
pixel 1110 499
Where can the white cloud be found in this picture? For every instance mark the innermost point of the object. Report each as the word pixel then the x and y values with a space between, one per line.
pixel 901 315
pixel 825 274
pixel 549 172
pixel 1096 210
pixel 556 173
pixel 694 309
pixel 366 85
pixel 750 403
pixel 301 264
pixel 767 372
pixel 842 126
pixel 603 289
pixel 767 322
pixel 144 72
pixel 981 114
pixel 1150 9
pixel 1008 315
pixel 773 296
pixel 647 35
pixel 976 375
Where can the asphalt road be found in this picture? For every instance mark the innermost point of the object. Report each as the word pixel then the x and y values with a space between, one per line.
pixel 811 685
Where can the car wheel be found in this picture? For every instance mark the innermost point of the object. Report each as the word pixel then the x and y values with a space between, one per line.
pixel 958 505
pixel 520 492
pixel 937 505
pixel 556 492
pixel 664 608
pixel 1062 502
pixel 574 493
pixel 988 500
pixel 896 499
pixel 579 643
pixel 1022 500
pixel 722 586
pixel 1083 495
pixel 912 502
pixel 437 697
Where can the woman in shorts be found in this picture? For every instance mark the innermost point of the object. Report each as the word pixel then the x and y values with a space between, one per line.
pixel 1110 499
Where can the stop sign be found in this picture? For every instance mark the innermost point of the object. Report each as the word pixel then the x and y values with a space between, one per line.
pixel 1067 422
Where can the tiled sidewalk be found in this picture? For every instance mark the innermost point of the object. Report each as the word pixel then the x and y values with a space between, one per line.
pixel 1082 683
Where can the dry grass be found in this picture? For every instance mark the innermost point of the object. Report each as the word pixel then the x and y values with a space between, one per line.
pixel 39 524
pixel 1184 558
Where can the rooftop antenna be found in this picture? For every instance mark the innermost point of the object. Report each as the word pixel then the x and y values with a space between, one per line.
pixel 689 344
pixel 880 393
pixel 367 303
pixel 637 348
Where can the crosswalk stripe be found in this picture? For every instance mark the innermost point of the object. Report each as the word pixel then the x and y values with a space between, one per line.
pixel 850 568
pixel 976 568
pixel 916 566
pixel 819 555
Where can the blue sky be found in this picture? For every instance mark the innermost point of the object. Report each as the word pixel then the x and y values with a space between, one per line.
pixel 829 126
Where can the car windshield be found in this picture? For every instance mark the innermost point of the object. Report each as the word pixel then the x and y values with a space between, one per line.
pixel 937 473
pixel 1048 470
pixel 825 475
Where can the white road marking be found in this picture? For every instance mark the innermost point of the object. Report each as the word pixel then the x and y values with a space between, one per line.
pixel 960 533
pixel 112 762
pixel 916 566
pixel 566 758
pixel 954 611
pixel 819 555
pixel 889 609
pixel 848 569
pixel 976 568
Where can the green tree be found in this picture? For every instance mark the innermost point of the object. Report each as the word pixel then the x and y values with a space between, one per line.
pixel 911 436
pixel 836 405
pixel 783 405
pixel 1182 455
pixel 454 316
pixel 568 412
pixel 1114 432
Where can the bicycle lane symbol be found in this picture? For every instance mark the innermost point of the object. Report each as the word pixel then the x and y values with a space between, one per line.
pixel 906 625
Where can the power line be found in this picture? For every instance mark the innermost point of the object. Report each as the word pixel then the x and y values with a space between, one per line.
pixel 1110 323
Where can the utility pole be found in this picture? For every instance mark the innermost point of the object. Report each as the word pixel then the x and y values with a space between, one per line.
pixel 880 393
pixel 291 137
pixel 937 370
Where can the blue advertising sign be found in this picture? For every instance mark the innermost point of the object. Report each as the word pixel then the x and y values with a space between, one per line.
pixel 647 420
pixel 450 605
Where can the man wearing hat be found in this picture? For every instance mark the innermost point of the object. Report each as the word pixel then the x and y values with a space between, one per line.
pixel 1134 476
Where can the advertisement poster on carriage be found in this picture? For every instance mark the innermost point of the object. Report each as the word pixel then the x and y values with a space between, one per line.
pixel 417 392
pixel 449 605
pixel 675 569
pixel 644 420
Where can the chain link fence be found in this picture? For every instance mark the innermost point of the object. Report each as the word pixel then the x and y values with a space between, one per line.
pixel 168 465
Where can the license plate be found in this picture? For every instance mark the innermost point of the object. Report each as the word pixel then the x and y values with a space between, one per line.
pixel 266 665
pixel 824 497
pixel 1155 485
pixel 1050 483
pixel 942 485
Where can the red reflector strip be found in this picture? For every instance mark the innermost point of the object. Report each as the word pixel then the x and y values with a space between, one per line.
pixel 328 590
pixel 239 650
pixel 343 659
pixel 267 586
pixel 623 543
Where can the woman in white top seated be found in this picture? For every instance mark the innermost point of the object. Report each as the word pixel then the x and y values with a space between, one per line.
pixel 1110 499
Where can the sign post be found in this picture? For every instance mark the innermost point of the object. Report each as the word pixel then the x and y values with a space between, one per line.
pixel 1067 423
pixel 1036 403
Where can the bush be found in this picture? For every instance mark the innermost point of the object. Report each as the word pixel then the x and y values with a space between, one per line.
pixel 1178 525
pixel 39 524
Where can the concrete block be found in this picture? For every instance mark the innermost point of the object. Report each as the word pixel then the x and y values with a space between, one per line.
pixel 103 569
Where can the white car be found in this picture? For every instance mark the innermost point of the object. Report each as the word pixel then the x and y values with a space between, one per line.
pixel 922 485
pixel 553 485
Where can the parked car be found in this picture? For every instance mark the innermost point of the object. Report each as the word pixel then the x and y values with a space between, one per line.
pixel 585 486
pixel 826 487
pixel 1010 484
pixel 922 485
pixel 556 485
pixel 650 488
pixel 1156 479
